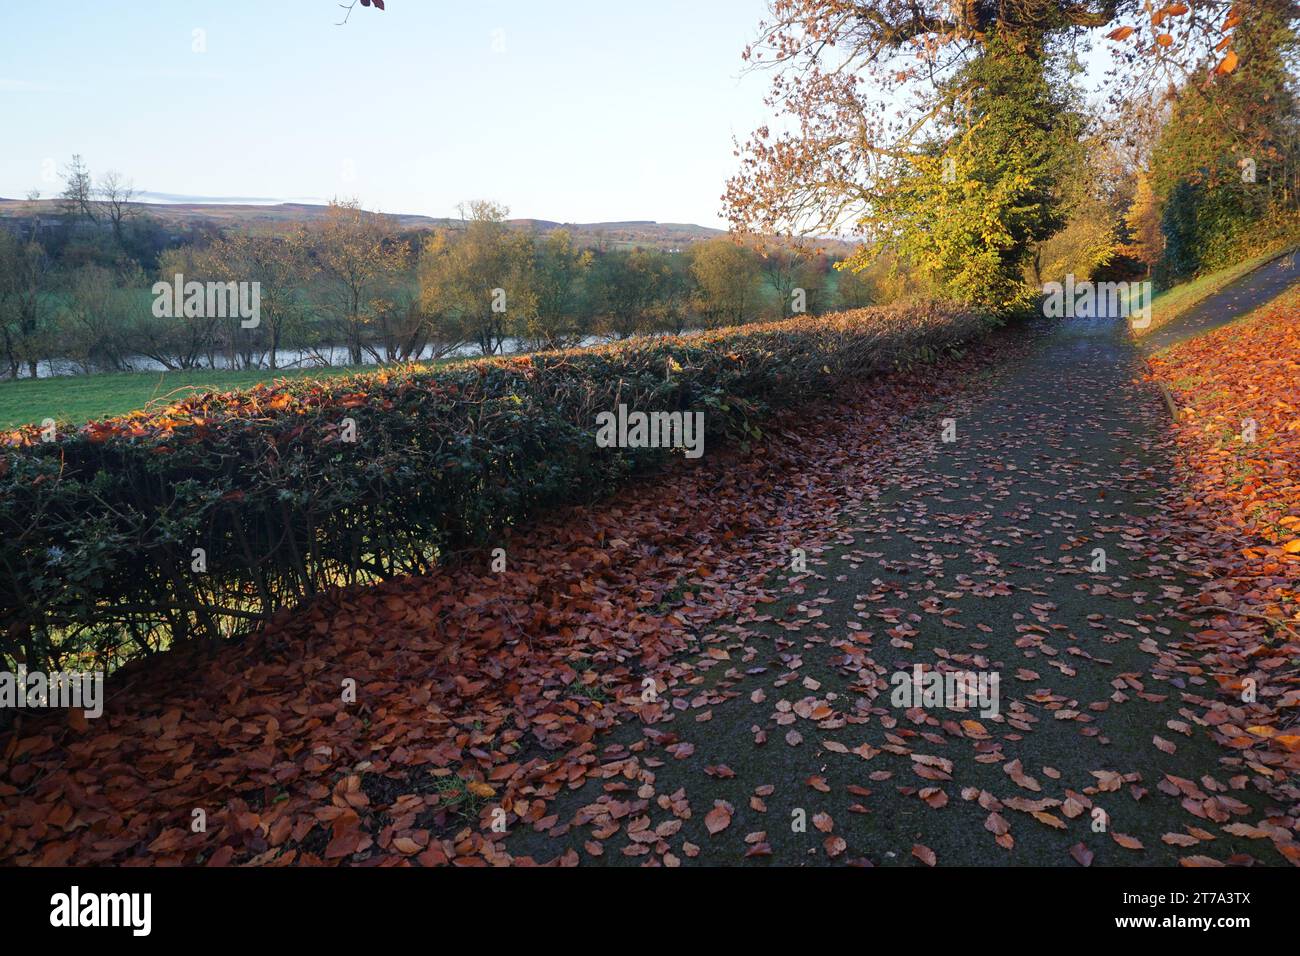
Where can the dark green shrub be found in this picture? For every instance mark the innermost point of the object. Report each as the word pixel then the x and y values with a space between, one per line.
pixel 98 528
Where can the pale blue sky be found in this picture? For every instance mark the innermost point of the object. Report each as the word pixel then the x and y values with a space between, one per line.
pixel 576 110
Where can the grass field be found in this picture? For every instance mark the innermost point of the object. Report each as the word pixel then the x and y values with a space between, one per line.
pixel 82 398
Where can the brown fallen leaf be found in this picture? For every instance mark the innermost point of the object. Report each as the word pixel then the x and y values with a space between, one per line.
pixel 1126 841
pixel 717 819
pixel 1246 830
pixel 406 846
pixel 933 796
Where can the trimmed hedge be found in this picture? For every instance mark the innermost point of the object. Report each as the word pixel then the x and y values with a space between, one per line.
pixel 98 528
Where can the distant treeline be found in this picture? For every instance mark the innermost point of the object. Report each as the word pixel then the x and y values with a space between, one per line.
pixel 75 288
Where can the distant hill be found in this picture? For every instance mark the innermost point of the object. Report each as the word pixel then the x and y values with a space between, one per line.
pixel 276 217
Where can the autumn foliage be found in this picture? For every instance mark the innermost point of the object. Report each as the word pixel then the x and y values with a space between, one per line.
pixel 99 527
pixel 1239 485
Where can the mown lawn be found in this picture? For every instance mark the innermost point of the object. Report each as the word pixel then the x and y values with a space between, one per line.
pixel 82 398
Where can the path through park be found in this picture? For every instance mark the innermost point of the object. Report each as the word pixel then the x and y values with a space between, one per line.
pixel 653 679
pixel 971 555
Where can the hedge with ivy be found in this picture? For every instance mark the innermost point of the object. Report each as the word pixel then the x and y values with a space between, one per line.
pixel 198 520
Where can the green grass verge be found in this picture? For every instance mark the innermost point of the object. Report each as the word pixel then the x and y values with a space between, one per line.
pixel 1288 298
pixel 1169 305
pixel 81 398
